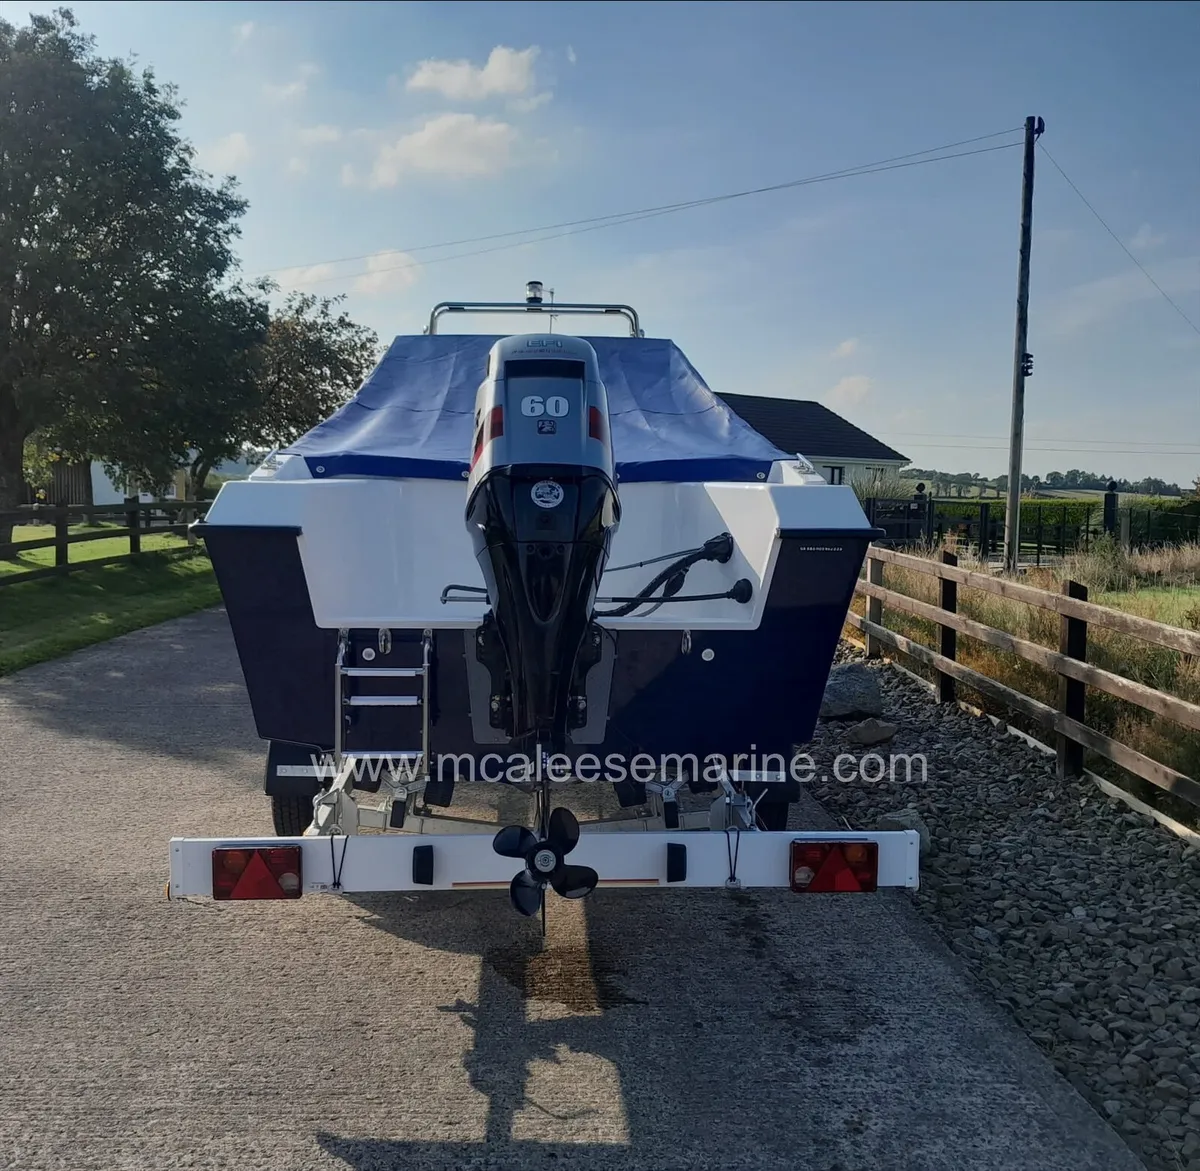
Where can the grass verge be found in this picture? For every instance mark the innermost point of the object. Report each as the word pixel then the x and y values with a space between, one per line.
pixel 1158 584
pixel 82 551
pixel 42 620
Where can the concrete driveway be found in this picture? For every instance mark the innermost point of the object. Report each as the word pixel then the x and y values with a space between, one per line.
pixel 660 1029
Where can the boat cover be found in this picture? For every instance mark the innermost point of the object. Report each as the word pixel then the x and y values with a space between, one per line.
pixel 413 415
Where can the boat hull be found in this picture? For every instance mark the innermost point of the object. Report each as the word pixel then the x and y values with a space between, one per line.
pixel 659 691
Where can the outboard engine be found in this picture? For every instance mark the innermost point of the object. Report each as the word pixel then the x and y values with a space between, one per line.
pixel 542 509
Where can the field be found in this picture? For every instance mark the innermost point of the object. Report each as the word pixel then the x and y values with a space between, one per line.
pixel 1161 584
pixel 1178 605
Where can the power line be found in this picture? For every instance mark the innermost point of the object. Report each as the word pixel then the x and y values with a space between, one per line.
pixel 634 217
pixel 613 219
pixel 1119 241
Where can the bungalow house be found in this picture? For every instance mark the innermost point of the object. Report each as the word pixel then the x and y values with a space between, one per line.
pixel 837 449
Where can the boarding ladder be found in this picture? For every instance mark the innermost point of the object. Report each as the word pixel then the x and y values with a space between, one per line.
pixel 402 773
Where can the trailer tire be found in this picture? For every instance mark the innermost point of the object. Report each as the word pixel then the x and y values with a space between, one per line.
pixel 292 815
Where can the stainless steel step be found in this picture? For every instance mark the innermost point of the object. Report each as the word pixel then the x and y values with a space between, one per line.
pixel 378 754
pixel 384 700
pixel 384 672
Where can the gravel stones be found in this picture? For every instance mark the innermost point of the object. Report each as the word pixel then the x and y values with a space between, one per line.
pixel 852 693
pixel 1078 915
pixel 871 732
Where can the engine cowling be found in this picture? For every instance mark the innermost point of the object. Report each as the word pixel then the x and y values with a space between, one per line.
pixel 542 508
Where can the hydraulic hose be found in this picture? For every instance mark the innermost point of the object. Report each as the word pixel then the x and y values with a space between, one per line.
pixel 718 548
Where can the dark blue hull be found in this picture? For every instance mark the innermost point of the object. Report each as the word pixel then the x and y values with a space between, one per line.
pixel 759 691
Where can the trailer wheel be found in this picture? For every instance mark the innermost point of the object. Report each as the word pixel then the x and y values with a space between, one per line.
pixel 292 814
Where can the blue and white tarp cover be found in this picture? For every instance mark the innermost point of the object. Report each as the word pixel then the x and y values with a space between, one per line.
pixel 413 417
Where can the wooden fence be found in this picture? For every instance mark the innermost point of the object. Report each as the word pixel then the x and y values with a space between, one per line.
pixel 1075 674
pixel 131 521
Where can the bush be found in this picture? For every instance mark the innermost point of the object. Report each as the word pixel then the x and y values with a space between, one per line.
pixel 886 484
pixel 1105 568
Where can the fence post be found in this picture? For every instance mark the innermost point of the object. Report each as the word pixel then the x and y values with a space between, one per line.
pixel 985 529
pixel 874 605
pixel 1039 536
pixel 1110 509
pixel 1062 533
pixel 133 519
pixel 949 636
pixel 1072 693
pixel 61 550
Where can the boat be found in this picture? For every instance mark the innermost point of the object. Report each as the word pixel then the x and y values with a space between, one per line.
pixel 535 560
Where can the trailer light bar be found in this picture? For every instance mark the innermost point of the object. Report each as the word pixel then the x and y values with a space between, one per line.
pixel 263 872
pixel 844 867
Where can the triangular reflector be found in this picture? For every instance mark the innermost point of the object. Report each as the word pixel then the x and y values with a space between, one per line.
pixel 257 882
pixel 834 874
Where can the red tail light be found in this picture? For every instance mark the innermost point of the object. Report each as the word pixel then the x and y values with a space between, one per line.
pixel 265 872
pixel 491 429
pixel 848 867
pixel 596 425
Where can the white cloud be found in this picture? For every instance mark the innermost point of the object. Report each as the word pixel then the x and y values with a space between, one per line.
pixel 849 391
pixel 349 178
pixel 1095 302
pixel 527 105
pixel 291 90
pixel 319 135
pixel 226 154
pixel 387 272
pixel 1144 239
pixel 571 57
pixel 242 33
pixel 450 144
pixel 845 349
pixel 506 72
pixel 297 165
pixel 306 278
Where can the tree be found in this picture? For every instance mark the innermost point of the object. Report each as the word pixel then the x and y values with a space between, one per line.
pixel 106 231
pixel 38 462
pixel 189 404
pixel 240 376
pixel 310 363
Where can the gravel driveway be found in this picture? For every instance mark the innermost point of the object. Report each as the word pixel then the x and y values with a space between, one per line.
pixel 1079 914
pixel 657 1029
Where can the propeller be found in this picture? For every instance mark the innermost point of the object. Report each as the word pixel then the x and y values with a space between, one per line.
pixel 544 862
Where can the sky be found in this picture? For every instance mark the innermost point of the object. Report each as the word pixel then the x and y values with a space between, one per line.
pixel 367 137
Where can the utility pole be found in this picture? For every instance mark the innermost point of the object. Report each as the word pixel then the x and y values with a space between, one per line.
pixel 1022 359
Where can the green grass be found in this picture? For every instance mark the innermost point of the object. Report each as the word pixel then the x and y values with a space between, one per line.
pixel 47 618
pixel 1178 605
pixel 84 551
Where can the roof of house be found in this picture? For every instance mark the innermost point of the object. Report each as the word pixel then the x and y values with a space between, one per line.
pixel 809 429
